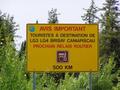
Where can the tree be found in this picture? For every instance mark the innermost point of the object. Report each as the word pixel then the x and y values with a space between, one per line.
pixel 11 68
pixel 7 34
pixel 22 50
pixel 53 16
pixel 7 29
pixel 110 25
pixel 109 36
pixel 110 17
pixel 90 15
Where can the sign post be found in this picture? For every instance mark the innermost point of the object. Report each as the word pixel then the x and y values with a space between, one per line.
pixel 34 81
pixel 90 81
pixel 34 75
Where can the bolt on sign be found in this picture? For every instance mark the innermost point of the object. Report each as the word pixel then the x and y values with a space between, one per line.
pixel 62 47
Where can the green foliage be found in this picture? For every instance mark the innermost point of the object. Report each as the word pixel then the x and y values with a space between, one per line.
pixel 103 79
pixel 90 15
pixel 109 37
pixel 12 71
pixel 7 29
pixel 72 83
pixel 46 82
pixel 22 51
pixel 110 17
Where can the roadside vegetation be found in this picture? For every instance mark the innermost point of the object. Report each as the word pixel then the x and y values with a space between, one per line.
pixel 13 74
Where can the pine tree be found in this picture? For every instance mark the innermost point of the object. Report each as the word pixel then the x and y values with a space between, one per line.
pixel 90 15
pixel 53 16
pixel 110 18
pixel 110 26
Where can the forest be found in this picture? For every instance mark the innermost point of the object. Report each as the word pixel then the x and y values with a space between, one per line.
pixel 13 71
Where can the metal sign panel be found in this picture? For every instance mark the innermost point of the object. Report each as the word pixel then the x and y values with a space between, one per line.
pixel 62 47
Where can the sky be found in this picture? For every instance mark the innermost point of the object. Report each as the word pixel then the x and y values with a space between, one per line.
pixel 28 11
